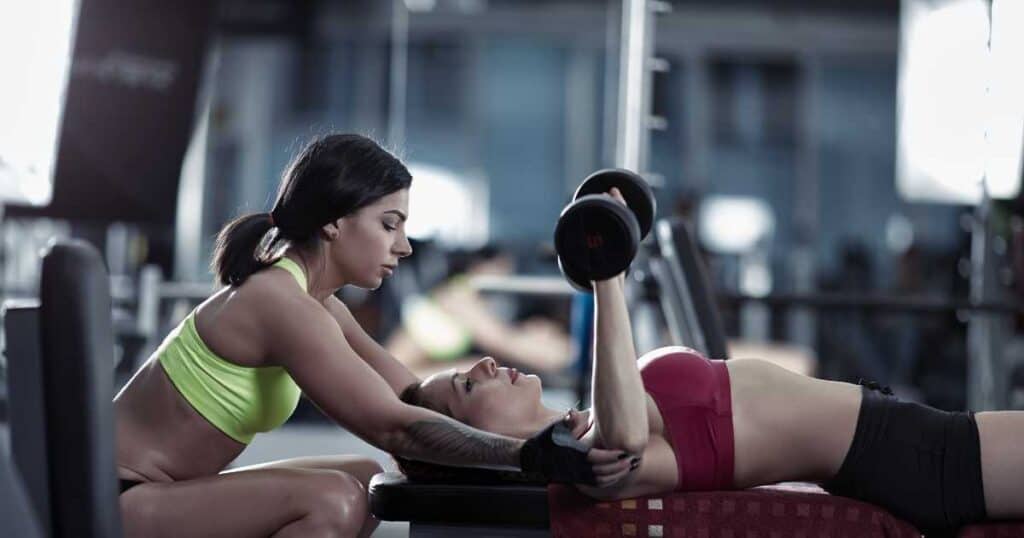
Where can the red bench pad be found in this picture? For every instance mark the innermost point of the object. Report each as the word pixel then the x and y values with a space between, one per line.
pixel 783 510
pixel 995 529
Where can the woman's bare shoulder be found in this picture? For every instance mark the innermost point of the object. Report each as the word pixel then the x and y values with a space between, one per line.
pixel 242 322
pixel 276 292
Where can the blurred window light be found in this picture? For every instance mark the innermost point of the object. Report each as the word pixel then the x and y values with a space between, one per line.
pixel 734 224
pixel 420 6
pixel 959 107
pixel 756 278
pixel 899 233
pixel 1005 135
pixel 35 52
pixel 451 209
pixel 470 6
pixel 453 6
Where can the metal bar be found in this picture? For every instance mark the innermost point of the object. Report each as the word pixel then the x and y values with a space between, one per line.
pixel 842 301
pixel 986 333
pixel 633 79
pixel 550 286
pixel 398 73
pixel 557 286
pixel 669 272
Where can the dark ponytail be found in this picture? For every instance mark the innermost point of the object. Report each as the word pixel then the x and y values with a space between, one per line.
pixel 235 254
pixel 332 177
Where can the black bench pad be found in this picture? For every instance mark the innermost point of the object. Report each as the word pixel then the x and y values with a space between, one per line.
pixel 394 498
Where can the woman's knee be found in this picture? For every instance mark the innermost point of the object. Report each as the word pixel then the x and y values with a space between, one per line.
pixel 364 469
pixel 337 499
pixel 139 508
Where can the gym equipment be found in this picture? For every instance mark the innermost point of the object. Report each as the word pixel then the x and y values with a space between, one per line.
pixel 77 350
pixel 443 510
pixel 506 510
pixel 74 380
pixel 27 404
pixel 596 237
pixel 637 65
pixel 16 515
pixel 777 510
pixel 684 290
pixel 638 194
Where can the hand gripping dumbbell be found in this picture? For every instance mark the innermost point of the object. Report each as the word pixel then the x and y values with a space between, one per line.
pixel 596 236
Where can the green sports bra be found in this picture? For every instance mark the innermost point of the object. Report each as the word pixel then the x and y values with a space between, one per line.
pixel 238 400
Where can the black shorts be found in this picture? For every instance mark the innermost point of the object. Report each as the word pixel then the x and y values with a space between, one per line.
pixel 127 484
pixel 921 464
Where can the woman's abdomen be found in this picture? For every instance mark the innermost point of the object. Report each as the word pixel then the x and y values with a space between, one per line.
pixel 159 434
pixel 787 426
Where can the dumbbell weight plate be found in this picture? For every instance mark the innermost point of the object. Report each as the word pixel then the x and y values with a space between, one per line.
pixel 577 281
pixel 638 194
pixel 596 238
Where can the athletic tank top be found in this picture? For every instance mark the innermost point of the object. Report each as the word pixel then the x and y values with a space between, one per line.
pixel 238 400
pixel 694 396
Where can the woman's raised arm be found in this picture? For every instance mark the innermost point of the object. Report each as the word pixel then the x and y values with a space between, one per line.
pixel 620 405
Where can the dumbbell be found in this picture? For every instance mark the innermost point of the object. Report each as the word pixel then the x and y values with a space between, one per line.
pixel 596 236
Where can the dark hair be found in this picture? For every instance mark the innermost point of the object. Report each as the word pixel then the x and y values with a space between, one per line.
pixel 413 395
pixel 422 471
pixel 332 177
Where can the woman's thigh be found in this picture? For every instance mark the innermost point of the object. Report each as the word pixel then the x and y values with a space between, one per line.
pixel 1001 434
pixel 361 467
pixel 242 504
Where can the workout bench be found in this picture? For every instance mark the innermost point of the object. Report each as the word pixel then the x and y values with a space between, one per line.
pixel 60 355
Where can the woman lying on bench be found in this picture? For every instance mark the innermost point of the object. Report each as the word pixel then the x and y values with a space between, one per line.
pixel 702 424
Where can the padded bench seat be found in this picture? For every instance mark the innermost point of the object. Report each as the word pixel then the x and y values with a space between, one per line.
pixel 506 510
pixel 394 498
pixel 791 509
pixel 994 529
pixel 437 509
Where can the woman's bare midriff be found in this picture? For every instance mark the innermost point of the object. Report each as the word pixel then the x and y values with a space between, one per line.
pixel 160 437
pixel 787 426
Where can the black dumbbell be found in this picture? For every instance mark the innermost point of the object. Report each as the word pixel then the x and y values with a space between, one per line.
pixel 597 237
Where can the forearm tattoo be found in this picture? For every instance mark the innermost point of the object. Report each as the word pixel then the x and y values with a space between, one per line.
pixel 450 442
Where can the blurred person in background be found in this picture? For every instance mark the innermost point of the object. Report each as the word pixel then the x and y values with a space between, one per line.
pixel 454 324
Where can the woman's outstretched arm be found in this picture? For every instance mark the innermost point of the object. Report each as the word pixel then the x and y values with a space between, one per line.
pixel 620 405
pixel 386 365
pixel 307 342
